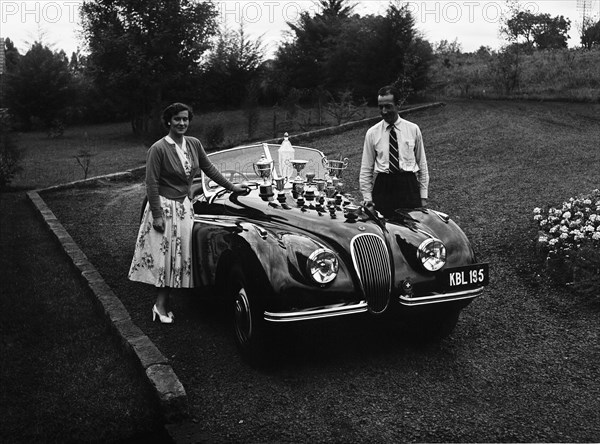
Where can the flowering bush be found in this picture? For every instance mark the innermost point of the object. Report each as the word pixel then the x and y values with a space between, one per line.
pixel 569 238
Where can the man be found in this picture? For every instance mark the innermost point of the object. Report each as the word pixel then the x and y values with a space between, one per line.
pixel 393 172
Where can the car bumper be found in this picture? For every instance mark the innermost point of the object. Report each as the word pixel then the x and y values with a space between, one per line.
pixel 363 307
pixel 440 297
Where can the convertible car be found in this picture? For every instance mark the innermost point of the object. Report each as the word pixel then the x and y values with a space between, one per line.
pixel 296 249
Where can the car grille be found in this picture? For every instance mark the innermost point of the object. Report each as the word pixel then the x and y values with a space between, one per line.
pixel 372 263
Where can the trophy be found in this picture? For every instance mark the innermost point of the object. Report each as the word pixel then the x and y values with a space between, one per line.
pixel 320 184
pixel 335 167
pixel 298 165
pixel 310 189
pixel 351 212
pixel 298 182
pixel 334 170
pixel 263 168
pixel 279 186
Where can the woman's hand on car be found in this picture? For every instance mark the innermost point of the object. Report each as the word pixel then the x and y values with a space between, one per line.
pixel 240 188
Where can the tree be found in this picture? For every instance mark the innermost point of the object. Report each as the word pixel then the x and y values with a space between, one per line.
pixel 590 35
pixel 303 61
pixel 144 53
pixel 335 52
pixel 232 67
pixel 551 32
pixel 39 85
pixel 11 55
pixel 336 8
pixel 445 48
pixel 536 30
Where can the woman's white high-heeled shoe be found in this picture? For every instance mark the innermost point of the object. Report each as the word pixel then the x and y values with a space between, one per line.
pixel 162 318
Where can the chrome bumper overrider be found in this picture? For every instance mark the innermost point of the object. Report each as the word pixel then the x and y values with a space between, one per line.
pixel 362 306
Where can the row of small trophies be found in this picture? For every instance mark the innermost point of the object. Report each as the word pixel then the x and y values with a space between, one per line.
pixel 310 192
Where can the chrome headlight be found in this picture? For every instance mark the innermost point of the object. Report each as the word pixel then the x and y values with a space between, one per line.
pixel 322 266
pixel 432 254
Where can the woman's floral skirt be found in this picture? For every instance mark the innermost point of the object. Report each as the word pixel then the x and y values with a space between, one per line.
pixel 165 259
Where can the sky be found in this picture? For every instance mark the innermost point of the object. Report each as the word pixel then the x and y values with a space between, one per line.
pixel 472 23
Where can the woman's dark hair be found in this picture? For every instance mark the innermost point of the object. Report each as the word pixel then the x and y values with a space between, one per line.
pixel 173 109
pixel 390 89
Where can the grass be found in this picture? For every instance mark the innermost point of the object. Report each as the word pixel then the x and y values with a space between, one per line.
pixel 63 377
pixel 113 147
pixel 567 74
pixel 522 365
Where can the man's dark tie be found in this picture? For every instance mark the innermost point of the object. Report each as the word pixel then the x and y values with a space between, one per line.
pixel 394 156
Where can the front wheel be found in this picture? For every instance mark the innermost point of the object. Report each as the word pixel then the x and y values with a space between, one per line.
pixel 247 299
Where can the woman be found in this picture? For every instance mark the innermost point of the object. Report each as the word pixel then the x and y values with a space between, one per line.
pixel 163 251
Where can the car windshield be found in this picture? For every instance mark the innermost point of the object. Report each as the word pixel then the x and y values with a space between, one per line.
pixel 237 164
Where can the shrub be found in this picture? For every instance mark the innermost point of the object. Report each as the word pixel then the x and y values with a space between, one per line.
pixel 10 154
pixel 569 241
pixel 215 135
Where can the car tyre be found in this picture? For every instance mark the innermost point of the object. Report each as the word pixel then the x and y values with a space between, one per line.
pixel 246 296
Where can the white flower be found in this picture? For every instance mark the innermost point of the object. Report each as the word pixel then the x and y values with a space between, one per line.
pixel 587 201
pixel 553 242
pixel 564 235
pixel 596 236
pixel 537 217
pixel 589 229
pixel 537 210
pixel 567 215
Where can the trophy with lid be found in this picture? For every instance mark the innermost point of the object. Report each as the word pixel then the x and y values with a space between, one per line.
pixel 264 168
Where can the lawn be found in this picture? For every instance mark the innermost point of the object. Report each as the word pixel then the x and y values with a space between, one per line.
pixel 522 365
pixel 113 147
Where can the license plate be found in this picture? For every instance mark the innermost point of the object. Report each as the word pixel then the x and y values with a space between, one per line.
pixel 469 276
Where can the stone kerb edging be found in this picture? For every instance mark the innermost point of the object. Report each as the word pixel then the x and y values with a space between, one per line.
pixel 170 392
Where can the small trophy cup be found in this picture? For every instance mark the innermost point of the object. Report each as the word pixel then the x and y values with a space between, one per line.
pixel 335 167
pixel 298 165
pixel 320 184
pixel 334 170
pixel 298 182
pixel 263 168
pixel 351 212
pixel 279 186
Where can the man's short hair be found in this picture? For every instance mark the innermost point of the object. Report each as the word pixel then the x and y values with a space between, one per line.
pixel 390 89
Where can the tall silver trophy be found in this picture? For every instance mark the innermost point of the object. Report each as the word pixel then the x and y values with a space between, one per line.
pixel 263 169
